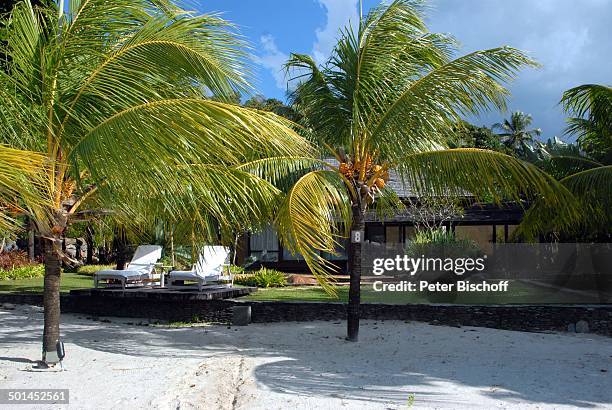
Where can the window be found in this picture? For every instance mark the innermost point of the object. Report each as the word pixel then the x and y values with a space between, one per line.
pixel 375 233
pixel 287 256
pixel 264 245
pixel 341 253
pixel 409 233
pixel 393 234
pixel 481 234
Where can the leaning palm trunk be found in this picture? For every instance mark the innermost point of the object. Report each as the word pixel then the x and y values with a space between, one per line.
pixel 51 297
pixel 112 101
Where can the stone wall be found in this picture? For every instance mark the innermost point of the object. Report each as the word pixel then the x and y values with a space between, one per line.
pixel 510 317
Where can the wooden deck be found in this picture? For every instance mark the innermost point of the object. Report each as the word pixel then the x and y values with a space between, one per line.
pixel 165 294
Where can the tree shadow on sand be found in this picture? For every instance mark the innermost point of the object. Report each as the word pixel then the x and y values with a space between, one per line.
pixel 391 362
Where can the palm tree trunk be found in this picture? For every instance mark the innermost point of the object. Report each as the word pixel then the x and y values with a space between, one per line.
pixel 31 253
pixel 89 239
pixel 354 261
pixel 120 246
pixel 51 298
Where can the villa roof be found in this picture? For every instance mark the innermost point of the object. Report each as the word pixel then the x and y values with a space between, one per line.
pixel 401 188
pixel 479 213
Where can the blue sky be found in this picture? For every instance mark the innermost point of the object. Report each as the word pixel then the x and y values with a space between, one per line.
pixel 572 39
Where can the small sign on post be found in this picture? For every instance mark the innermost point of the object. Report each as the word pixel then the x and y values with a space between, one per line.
pixel 356 236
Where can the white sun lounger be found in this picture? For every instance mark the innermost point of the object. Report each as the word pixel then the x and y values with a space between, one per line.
pixel 140 268
pixel 208 269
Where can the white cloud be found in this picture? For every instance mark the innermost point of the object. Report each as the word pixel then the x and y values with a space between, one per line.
pixel 273 59
pixel 565 36
pixel 339 14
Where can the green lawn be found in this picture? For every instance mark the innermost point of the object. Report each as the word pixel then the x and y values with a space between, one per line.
pixel 518 292
pixel 35 285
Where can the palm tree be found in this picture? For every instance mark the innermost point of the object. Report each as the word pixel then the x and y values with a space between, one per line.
pixel 388 98
pixel 591 108
pixel 515 133
pixel 586 173
pixel 113 96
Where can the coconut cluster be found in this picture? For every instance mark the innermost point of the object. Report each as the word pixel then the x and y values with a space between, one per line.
pixel 375 176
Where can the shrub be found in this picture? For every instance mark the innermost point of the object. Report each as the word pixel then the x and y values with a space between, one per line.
pixel 23 272
pixel 437 242
pixel 236 270
pixel 89 270
pixel 263 278
pixel 17 265
pixel 13 259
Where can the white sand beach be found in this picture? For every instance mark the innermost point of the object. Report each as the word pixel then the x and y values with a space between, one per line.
pixel 121 364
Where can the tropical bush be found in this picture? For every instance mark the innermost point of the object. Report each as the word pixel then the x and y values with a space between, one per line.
pixel 23 272
pixel 263 278
pixel 89 270
pixel 441 241
pixel 13 259
pixel 236 270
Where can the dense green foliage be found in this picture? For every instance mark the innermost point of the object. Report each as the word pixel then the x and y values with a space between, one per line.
pixel 467 135
pixel 516 135
pixel 263 278
pixel 442 243
pixel 23 272
pixel 586 172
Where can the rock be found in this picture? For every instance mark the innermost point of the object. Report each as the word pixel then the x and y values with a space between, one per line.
pixel 241 315
pixel 8 306
pixel 301 280
pixel 571 328
pixel 582 326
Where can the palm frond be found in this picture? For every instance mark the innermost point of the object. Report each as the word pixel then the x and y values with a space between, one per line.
pixel 589 99
pixel 313 218
pixel 593 190
pixel 22 183
pixel 569 164
pixel 183 131
pixel 282 172
pixel 201 197
pixel 593 186
pixel 589 107
pixel 428 106
pixel 323 109
pixel 487 175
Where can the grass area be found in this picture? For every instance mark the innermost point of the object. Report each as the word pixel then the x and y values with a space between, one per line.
pixel 518 292
pixel 82 278
pixel 89 270
pixel 35 285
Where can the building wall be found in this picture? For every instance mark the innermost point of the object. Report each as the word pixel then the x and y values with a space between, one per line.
pixel 481 234
pixel 265 248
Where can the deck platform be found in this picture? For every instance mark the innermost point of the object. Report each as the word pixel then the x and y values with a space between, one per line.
pixel 166 294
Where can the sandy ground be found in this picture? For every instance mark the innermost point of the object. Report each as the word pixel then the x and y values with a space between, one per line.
pixel 121 365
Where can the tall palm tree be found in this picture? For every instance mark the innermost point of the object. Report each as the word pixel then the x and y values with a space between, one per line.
pixel 388 98
pixel 590 107
pixel 516 133
pixel 114 97
pixel 587 174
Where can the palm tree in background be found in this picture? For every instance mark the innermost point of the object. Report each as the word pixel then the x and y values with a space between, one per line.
pixel 106 108
pixel 586 173
pixel 590 107
pixel 388 98
pixel 516 133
